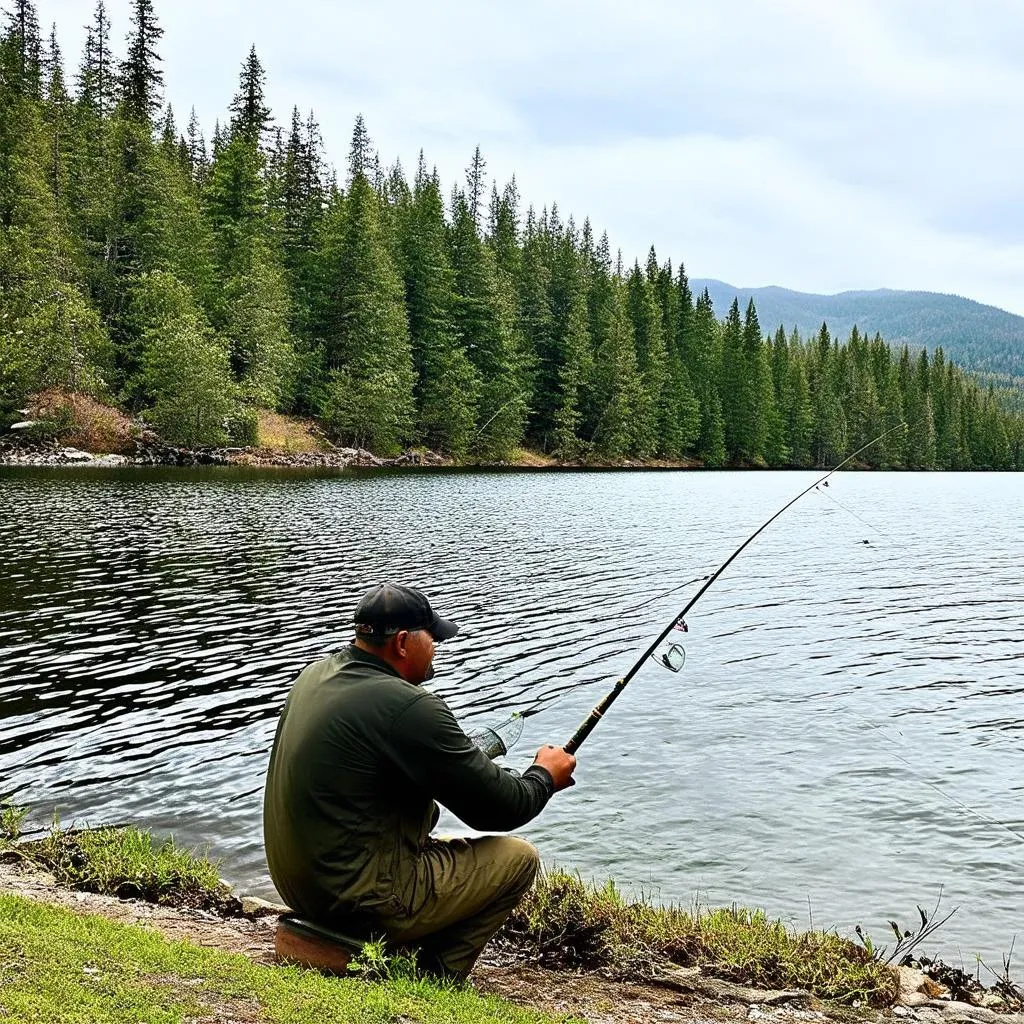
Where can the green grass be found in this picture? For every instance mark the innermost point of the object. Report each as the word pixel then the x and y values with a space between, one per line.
pixel 570 924
pixel 58 966
pixel 562 922
pixel 130 863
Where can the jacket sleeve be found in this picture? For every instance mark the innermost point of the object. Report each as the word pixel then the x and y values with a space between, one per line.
pixel 428 745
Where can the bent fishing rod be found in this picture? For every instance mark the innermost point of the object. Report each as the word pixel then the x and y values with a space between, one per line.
pixel 601 710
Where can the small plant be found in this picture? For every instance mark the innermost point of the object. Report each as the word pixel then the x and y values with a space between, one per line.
pixel 12 817
pixel 376 963
pixel 906 939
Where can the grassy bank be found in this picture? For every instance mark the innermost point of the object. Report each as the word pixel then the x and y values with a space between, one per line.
pixel 66 968
pixel 563 924
pixel 569 924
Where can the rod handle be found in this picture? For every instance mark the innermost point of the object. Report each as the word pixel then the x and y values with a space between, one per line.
pixel 594 717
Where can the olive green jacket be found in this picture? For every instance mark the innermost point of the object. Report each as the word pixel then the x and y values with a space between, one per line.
pixel 359 758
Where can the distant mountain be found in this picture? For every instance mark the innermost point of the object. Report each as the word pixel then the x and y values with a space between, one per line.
pixel 980 338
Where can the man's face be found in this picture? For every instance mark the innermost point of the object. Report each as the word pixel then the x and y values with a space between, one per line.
pixel 417 649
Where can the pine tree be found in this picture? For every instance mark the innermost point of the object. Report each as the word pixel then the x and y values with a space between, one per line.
pixel 198 160
pixel 485 319
pixel 186 379
pixel 142 81
pixel 21 59
pixel 361 157
pixel 368 399
pixel 575 375
pixel 251 116
pixel 503 231
pixel 701 353
pixel 618 388
pixel 448 383
pixel 537 326
pixel 97 77
pixel 652 412
pixel 476 182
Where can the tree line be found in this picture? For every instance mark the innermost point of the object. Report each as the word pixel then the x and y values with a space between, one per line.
pixel 196 283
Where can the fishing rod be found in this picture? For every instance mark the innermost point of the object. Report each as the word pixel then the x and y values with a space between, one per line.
pixel 673 660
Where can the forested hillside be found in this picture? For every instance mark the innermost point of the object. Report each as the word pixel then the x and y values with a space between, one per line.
pixel 195 283
pixel 978 337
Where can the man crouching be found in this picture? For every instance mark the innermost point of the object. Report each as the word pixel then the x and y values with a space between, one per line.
pixel 361 753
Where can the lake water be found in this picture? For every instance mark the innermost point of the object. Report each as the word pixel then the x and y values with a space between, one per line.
pixel 845 742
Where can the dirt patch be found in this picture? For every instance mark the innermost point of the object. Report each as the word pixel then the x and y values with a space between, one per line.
pixel 84 423
pixel 212 1009
pixel 254 937
pixel 291 435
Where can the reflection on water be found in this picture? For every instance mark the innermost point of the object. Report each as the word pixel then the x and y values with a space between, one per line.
pixel 845 739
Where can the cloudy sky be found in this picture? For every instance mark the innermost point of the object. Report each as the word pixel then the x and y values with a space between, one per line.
pixel 817 145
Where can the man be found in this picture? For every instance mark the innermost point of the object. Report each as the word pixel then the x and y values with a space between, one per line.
pixel 362 751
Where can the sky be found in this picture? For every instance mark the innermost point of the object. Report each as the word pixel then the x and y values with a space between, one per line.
pixel 817 145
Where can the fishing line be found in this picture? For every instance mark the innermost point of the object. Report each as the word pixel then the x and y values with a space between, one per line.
pixel 919 775
pixel 827 494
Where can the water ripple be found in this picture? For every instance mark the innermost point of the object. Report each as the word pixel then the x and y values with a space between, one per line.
pixel 846 729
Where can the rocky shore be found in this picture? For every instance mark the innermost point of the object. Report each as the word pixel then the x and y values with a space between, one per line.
pixel 15 451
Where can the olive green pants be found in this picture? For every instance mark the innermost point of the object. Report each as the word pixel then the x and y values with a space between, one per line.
pixel 465 888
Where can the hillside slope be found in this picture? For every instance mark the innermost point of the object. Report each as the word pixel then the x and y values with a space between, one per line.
pixel 981 338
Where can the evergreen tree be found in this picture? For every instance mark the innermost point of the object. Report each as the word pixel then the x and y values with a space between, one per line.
pixel 476 182
pixel 361 157
pixel 97 76
pixel 186 376
pixel 485 319
pixel 652 413
pixel 368 398
pixel 21 58
pixel 702 353
pixel 537 326
pixel 448 383
pixel 618 388
pixel 142 81
pixel 250 114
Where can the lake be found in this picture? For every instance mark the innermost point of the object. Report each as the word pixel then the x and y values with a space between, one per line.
pixel 845 741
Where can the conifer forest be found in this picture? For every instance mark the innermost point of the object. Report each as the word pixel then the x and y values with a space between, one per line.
pixel 194 281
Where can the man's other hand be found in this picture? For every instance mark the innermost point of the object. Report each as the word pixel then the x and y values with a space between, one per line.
pixel 558 764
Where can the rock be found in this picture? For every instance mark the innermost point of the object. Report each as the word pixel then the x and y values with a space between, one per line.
pixel 74 455
pixel 902 1011
pixel 24 424
pixel 973 1014
pixel 916 988
pixel 992 1001
pixel 253 906
pixel 110 460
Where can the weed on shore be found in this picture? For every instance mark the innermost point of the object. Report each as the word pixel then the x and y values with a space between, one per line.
pixel 569 924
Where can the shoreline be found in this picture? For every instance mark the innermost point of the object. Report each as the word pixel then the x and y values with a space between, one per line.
pixel 549 960
pixel 683 996
pixel 156 455
pixel 14 452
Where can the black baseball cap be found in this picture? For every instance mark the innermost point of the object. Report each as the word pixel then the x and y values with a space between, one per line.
pixel 388 608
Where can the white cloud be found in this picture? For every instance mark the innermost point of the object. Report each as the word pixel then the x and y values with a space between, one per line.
pixel 818 146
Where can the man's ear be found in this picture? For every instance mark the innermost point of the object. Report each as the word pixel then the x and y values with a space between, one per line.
pixel 400 641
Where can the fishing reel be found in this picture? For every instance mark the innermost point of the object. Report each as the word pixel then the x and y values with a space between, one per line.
pixel 500 739
pixel 674 657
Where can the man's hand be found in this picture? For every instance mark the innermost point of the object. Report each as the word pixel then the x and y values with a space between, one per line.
pixel 558 764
